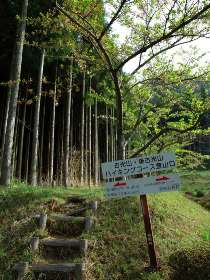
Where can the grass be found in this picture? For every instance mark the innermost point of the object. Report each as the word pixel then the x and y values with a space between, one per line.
pixel 17 203
pixel 196 182
pixel 197 186
pixel 118 247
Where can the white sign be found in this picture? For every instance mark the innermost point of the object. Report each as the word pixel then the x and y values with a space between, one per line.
pixel 153 184
pixel 140 165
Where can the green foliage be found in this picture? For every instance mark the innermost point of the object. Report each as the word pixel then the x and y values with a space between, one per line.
pixel 190 160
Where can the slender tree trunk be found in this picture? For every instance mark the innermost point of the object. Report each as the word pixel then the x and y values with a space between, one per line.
pixel 82 128
pixel 22 130
pixel 71 141
pixel 67 129
pixel 52 138
pixel 15 78
pixel 58 140
pixel 111 136
pixel 119 116
pixel 96 143
pixel 5 120
pixel 2 105
pixel 15 142
pixel 86 144
pixel 28 145
pixel 107 133
pixel 42 142
pixel 115 147
pixel 90 143
pixel 62 145
pixel 34 153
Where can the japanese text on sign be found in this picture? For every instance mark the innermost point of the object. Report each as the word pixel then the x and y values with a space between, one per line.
pixel 145 185
pixel 139 165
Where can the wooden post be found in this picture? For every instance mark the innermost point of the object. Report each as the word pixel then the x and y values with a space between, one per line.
pixel 80 272
pixel 21 269
pixel 84 245
pixel 34 244
pixel 94 206
pixel 43 221
pixel 149 235
pixel 88 223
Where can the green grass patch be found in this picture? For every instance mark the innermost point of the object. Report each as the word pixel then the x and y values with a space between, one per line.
pixel 119 249
pixel 197 181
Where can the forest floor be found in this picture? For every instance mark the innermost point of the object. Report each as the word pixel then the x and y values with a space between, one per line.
pixel 118 249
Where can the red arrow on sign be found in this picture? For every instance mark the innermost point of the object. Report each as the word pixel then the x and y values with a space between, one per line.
pixel 162 178
pixel 120 184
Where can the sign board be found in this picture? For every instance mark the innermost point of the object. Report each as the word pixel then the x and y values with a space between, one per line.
pixel 129 187
pixel 140 165
pixel 153 184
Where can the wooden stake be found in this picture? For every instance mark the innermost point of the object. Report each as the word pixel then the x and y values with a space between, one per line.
pixel 43 221
pixel 21 269
pixel 34 244
pixel 149 234
pixel 94 206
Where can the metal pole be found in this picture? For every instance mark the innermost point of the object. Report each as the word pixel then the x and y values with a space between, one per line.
pixel 148 230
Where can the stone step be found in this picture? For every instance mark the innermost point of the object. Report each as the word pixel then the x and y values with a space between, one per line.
pixel 51 271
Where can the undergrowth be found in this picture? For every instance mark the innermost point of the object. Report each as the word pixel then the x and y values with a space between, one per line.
pixel 18 204
pixel 118 249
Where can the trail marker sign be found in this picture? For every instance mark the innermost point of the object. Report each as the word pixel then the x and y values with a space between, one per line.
pixel 121 185
pixel 140 165
pixel 153 184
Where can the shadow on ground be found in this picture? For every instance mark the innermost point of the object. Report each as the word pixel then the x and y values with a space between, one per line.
pixel 191 264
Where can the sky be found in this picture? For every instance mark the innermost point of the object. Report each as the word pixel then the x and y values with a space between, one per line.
pixel 203 46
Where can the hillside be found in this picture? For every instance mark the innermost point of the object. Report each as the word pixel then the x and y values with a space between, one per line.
pixel 180 232
pixel 118 246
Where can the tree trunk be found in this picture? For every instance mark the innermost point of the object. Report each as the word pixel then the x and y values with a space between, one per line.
pixel 90 144
pixel 15 78
pixel 96 142
pixel 119 117
pixel 67 130
pixel 115 147
pixel 82 129
pixel 35 141
pixel 107 133
pixel 62 139
pixel 86 144
pixel 71 140
pixel 22 130
pixel 52 138
pixel 42 142
pixel 15 142
pixel 111 136
pixel 28 145
pixel 58 140
pixel 5 120
pixel 90 137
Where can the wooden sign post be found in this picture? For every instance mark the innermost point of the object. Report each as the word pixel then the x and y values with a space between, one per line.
pixel 148 230
pixel 124 183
